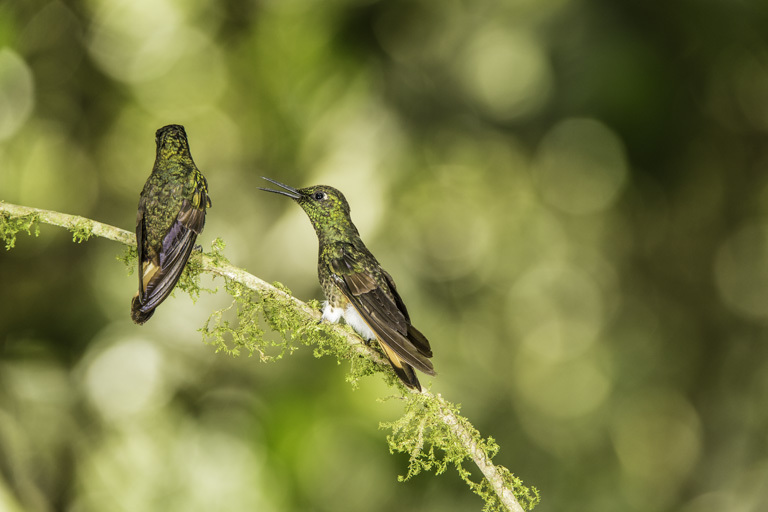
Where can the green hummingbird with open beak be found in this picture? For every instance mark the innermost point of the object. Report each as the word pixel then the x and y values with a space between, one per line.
pixel 356 287
pixel 171 214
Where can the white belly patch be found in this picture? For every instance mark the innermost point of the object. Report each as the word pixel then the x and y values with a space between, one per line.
pixel 351 316
pixel 331 313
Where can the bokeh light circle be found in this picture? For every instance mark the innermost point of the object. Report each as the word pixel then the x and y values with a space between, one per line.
pixel 580 166
pixel 741 270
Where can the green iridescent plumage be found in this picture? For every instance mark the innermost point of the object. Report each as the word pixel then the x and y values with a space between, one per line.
pixel 171 214
pixel 355 285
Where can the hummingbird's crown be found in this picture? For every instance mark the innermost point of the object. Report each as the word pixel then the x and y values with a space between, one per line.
pixel 324 197
pixel 171 140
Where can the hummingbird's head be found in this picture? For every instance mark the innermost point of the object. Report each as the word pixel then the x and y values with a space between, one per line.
pixel 324 205
pixel 171 141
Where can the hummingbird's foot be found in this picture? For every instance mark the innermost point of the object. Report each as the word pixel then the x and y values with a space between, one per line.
pixel 198 248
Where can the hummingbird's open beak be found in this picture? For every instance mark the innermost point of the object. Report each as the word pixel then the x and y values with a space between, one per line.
pixel 292 192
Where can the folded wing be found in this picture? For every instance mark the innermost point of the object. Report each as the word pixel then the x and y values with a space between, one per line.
pixel 160 272
pixel 383 310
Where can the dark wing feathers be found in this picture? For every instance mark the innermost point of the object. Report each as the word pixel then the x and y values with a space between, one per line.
pixel 191 217
pixel 363 286
pixel 418 339
pixel 177 245
pixel 166 277
pixel 383 310
pixel 188 224
pixel 140 242
pixel 392 334
pixel 360 283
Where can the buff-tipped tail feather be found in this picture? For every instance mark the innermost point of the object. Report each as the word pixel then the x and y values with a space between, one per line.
pixel 137 315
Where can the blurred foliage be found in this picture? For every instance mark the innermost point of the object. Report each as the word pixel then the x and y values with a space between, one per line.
pixel 571 197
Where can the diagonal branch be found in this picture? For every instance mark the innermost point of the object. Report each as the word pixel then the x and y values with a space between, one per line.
pixel 462 433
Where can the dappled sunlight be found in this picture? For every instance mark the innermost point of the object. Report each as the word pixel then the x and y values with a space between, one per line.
pixel 561 389
pixel 135 41
pixel 556 310
pixel 125 379
pixel 506 72
pixel 741 270
pixel 33 174
pixel 16 92
pixel 657 437
pixel 580 166
pixel 171 464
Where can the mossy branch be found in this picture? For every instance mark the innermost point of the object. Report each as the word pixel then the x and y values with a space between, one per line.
pixel 431 431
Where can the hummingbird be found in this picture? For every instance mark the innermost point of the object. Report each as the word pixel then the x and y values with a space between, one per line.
pixel 171 214
pixel 356 287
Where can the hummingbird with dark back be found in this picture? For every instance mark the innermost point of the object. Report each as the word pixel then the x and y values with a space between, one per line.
pixel 171 214
pixel 356 287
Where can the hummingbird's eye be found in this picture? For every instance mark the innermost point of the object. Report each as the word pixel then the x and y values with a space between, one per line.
pixel 319 196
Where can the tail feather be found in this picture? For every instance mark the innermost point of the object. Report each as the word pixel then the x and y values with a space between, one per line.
pixel 403 370
pixel 137 315
pixel 406 375
pixel 419 341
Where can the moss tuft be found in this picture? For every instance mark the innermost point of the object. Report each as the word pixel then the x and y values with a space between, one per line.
pixel 129 258
pixel 11 225
pixel 242 332
pixel 217 252
pixel 81 230
pixel 190 278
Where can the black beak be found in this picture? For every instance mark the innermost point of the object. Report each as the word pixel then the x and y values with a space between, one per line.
pixel 292 192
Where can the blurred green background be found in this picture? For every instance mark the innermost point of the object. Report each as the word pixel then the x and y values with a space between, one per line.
pixel 571 195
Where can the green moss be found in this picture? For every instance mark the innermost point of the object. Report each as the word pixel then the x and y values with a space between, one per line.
pixel 241 327
pixel 217 252
pixel 11 225
pixel 241 332
pixel 81 231
pixel 189 281
pixel 129 258
pixel 432 445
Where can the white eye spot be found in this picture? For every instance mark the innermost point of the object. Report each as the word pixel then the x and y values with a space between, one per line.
pixel 320 196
